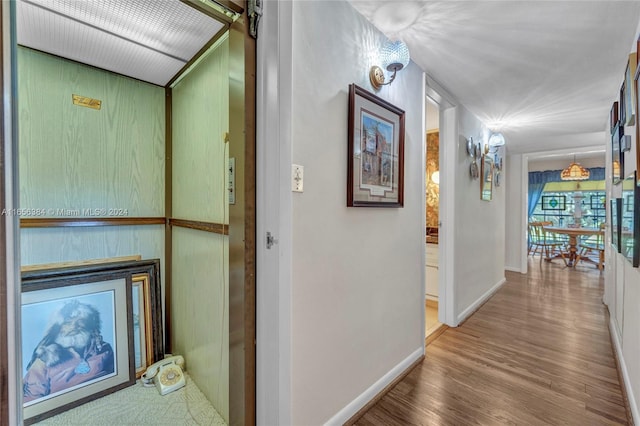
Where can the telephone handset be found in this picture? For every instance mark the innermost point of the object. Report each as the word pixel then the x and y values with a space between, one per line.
pixel 166 374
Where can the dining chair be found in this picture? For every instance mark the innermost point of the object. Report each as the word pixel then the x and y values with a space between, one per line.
pixel 594 244
pixel 545 243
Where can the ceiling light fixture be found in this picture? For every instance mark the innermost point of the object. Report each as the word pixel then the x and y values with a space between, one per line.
pixel 394 56
pixel 575 172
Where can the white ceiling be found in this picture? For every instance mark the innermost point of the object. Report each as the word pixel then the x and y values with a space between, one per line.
pixel 147 40
pixel 543 72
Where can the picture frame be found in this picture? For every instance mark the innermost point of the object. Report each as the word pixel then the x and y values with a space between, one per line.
pixel 375 166
pixel 51 288
pixel 622 105
pixel 58 373
pixel 617 156
pixel 142 323
pixel 486 181
pixel 630 220
pixel 636 88
pixel 629 91
pixel 616 211
pixel 613 117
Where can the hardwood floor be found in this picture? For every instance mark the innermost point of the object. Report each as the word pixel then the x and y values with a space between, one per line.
pixel 537 353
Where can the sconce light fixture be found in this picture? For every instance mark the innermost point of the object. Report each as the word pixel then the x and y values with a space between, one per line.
pixel 394 56
pixel 496 140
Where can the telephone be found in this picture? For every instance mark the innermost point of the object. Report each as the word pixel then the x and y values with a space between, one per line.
pixel 166 374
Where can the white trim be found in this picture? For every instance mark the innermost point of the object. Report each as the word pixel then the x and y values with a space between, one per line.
pixel 475 305
pixel 273 200
pixel 625 373
pixel 511 269
pixel 363 399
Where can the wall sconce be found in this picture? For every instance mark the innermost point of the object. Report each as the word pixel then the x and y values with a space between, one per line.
pixel 496 140
pixel 394 56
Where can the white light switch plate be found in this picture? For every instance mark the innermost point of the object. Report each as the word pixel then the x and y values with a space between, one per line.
pixel 297 178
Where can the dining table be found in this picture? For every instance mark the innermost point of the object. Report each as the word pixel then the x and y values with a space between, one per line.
pixel 573 234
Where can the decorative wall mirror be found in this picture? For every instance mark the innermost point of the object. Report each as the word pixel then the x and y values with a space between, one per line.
pixel 486 183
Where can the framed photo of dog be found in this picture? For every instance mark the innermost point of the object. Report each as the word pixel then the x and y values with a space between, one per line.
pixel 79 337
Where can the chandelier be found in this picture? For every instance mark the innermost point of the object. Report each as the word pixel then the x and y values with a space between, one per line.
pixel 574 172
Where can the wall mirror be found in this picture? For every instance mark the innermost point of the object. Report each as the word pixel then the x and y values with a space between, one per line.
pixel 486 183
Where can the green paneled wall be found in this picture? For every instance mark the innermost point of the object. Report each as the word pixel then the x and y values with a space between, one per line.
pixel 74 157
pixel 200 281
pixel 200 119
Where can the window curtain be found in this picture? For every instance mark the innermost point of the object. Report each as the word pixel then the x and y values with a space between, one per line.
pixel 537 181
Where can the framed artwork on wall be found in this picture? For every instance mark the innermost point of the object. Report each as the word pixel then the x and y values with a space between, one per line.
pixel 617 157
pixel 616 211
pixel 622 105
pixel 629 91
pixel 375 165
pixel 630 219
pixel 613 116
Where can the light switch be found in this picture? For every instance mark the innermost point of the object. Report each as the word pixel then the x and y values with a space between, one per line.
pixel 297 178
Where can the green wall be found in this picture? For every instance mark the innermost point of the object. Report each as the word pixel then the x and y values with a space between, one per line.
pixel 74 158
pixel 199 271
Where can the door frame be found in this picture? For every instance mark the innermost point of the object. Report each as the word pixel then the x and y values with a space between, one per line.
pixel 446 242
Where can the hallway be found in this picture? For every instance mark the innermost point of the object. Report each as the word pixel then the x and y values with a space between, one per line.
pixel 537 353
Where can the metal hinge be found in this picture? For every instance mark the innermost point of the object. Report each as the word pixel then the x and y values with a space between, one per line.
pixel 255 13
pixel 271 240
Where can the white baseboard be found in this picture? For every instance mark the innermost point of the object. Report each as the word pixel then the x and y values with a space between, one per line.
pixel 354 406
pixel 475 305
pixel 625 373
pixel 513 269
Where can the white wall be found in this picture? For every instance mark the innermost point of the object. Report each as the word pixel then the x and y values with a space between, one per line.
pixel 548 164
pixel 515 206
pixel 357 272
pixel 479 229
pixel 355 275
pixel 622 284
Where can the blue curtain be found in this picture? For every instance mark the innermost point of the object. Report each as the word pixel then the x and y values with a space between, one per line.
pixel 537 180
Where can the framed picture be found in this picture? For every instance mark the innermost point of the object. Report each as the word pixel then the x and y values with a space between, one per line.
pixel 613 116
pixel 637 102
pixel 101 294
pixel 616 211
pixel 486 182
pixel 617 157
pixel 76 341
pixel 553 202
pixel 375 174
pixel 629 91
pixel 622 105
pixel 142 323
pixel 630 220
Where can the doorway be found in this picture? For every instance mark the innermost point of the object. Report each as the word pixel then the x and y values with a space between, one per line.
pixel 150 217
pixel 432 219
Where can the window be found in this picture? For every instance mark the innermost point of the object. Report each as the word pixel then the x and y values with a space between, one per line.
pixel 559 207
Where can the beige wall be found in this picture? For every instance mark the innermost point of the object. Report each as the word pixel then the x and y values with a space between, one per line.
pixel 73 158
pixel 199 273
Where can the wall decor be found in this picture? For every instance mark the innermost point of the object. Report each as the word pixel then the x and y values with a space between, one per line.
pixel 630 220
pixel 471 148
pixel 617 157
pixel 616 211
pixel 486 180
pixel 613 116
pixel 629 92
pixel 622 106
pixel 474 173
pixel 142 323
pixel 375 174
pixel 637 102
pixel 102 292
pixel 76 340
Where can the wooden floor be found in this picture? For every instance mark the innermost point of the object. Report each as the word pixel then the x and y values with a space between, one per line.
pixel 537 353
